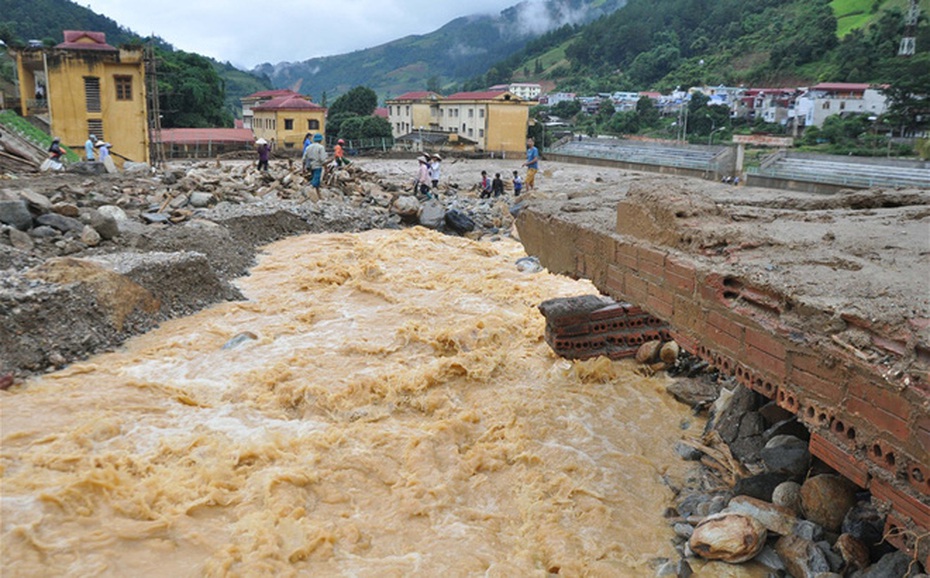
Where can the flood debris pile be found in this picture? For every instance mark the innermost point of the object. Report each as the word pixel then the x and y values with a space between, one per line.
pixel 180 235
pixel 757 494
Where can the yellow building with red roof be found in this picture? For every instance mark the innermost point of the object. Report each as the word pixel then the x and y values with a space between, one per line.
pixel 285 120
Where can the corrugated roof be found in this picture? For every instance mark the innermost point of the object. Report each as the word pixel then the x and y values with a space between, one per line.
pixel 271 93
pixel 85 40
pixel 182 136
pixel 847 86
pixel 486 95
pixel 291 101
pixel 421 95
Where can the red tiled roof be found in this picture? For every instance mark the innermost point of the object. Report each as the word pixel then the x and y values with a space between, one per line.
pixel 382 112
pixel 182 136
pixel 652 95
pixel 291 101
pixel 422 95
pixel 846 86
pixel 78 40
pixel 238 123
pixel 271 93
pixel 487 95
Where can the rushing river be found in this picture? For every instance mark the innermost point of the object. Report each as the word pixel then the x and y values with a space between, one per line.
pixel 398 414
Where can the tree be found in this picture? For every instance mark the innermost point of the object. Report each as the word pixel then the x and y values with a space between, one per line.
pixel 361 100
pixel 433 84
pixel 191 91
pixel 364 127
pixel 647 113
pixel 334 122
pixel 566 108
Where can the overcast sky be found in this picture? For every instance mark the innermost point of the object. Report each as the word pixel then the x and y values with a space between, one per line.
pixel 249 32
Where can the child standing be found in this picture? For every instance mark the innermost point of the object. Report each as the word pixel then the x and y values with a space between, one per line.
pixel 517 184
pixel 485 185
pixel 497 186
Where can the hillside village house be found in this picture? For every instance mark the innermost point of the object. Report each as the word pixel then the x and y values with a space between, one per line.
pixel 87 87
pixel 285 120
pixel 830 98
pixel 525 90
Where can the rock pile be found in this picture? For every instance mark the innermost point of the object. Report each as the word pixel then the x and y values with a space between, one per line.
pixel 758 494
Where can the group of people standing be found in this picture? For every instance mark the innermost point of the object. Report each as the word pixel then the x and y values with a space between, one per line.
pixel 429 172
pixel 495 187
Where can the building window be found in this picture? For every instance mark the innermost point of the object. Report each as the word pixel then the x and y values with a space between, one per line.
pixel 842 106
pixel 463 127
pixel 407 110
pixel 313 124
pixel 480 113
pixel 123 87
pixel 481 133
pixel 92 93
pixel 471 132
pixel 826 106
pixel 289 124
pixel 471 113
pixel 95 127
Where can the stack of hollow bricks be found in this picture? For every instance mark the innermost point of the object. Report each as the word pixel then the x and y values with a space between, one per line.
pixel 587 326
pixel 871 427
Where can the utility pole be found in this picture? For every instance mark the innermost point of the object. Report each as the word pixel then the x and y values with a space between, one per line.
pixel 909 43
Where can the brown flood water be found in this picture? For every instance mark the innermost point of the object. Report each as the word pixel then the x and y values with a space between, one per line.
pixel 398 415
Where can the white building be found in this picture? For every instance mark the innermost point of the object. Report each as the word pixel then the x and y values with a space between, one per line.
pixel 830 98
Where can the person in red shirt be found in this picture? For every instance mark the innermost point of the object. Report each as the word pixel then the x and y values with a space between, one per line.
pixel 340 154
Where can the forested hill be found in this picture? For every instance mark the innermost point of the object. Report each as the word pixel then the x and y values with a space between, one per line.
pixel 440 60
pixel 661 44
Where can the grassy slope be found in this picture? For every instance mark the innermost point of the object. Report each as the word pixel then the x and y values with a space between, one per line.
pixel 852 14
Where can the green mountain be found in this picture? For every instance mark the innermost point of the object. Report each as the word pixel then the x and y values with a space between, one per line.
pixel 663 44
pixel 442 59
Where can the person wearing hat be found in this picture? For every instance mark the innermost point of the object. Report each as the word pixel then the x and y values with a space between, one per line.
pixel 435 167
pixel 89 148
pixel 264 151
pixel 314 158
pixel 340 154
pixel 422 183
pixel 103 150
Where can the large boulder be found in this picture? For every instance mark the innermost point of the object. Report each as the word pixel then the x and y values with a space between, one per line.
pixel 729 537
pixel 16 214
pixel 826 499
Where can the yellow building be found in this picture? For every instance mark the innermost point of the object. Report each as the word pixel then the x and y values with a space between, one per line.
pixel 412 112
pixel 84 86
pixel 497 120
pixel 286 120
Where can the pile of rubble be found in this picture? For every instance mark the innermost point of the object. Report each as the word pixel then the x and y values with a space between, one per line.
pixel 180 234
pixel 759 495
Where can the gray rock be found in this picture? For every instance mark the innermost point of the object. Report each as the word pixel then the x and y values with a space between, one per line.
pixel 201 200
pixel 683 530
pixel 44 232
pixel 432 214
pixel 90 236
pixel 786 454
pixel 104 225
pixel 789 427
pixel 775 414
pixel 808 530
pixel 406 206
pixel 529 265
pixel 695 392
pixel 36 200
pixel 776 519
pixel 113 212
pixel 760 486
pixel 21 240
pixel 687 452
pixel 739 424
pixel 87 168
pixel 788 495
pixel 131 167
pixel 802 558
pixel 865 523
pixel 894 565
pixel 154 217
pixel 61 222
pixel 769 558
pixel 854 554
pixel 16 214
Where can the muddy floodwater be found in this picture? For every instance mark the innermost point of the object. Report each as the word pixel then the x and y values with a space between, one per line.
pixel 393 411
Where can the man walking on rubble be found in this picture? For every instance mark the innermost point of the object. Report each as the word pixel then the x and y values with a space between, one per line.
pixel 531 164
pixel 314 158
